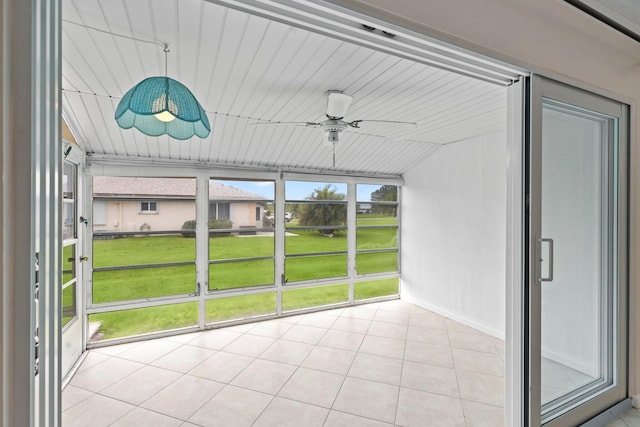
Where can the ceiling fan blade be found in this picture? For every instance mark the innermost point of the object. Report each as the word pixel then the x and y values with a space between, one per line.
pixel 356 123
pixel 337 104
pixel 286 123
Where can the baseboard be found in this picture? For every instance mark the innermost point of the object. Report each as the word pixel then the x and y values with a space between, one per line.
pixel 567 361
pixel 456 317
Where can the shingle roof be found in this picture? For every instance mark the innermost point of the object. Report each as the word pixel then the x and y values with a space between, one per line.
pixel 163 188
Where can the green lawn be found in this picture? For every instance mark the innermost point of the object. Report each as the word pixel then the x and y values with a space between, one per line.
pixel 143 320
pixel 137 283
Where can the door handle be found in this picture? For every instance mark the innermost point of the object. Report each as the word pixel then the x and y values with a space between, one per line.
pixel 549 278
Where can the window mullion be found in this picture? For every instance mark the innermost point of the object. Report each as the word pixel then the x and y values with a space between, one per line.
pixel 202 246
pixel 279 229
pixel 351 237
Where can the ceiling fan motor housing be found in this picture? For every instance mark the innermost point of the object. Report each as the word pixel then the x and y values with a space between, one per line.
pixel 332 135
pixel 333 129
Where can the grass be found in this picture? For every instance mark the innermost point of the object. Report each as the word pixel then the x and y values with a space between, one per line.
pixel 143 320
pixel 139 283
pixel 314 297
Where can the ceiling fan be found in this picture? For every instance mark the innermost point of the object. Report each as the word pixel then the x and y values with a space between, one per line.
pixel 337 105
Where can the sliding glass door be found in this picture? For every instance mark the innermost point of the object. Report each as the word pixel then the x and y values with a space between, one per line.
pixel 577 254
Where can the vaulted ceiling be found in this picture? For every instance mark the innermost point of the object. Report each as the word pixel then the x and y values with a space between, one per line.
pixel 246 69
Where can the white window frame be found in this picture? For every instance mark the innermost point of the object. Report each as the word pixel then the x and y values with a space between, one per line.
pixel 148 211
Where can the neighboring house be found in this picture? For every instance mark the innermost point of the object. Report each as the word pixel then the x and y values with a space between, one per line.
pixel 364 208
pixel 156 204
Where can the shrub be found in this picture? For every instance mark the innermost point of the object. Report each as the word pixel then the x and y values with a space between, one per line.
pixel 189 225
pixel 214 224
pixel 220 223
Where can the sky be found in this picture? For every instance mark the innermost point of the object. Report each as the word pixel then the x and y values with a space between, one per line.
pixel 298 190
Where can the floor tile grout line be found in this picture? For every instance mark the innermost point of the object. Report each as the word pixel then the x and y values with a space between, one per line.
pixel 347 376
pixel 358 351
pixel 344 377
pixel 455 370
pixel 404 352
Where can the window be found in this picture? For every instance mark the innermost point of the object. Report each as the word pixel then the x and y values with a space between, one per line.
pixel 316 241
pixel 376 239
pixel 219 211
pixel 157 263
pixel 241 246
pixel 148 207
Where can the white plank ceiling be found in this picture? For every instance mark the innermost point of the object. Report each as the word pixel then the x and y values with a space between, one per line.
pixel 246 69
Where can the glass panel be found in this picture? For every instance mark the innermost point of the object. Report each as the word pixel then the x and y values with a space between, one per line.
pixel 245 244
pixel 376 262
pixel 138 321
pixel 240 307
pixel 68 303
pixel 68 220
pixel 314 297
pixel 312 241
pixel 116 251
pixel 120 285
pixel 576 198
pixel 316 204
pixel 309 190
pixel 377 215
pixel 315 267
pixel 238 200
pixel 241 207
pixel 69 181
pixel 376 193
pixel 377 238
pixel 68 263
pixel 69 201
pixel 143 204
pixel 376 204
pixel 376 288
pixel 239 274
pixel 317 214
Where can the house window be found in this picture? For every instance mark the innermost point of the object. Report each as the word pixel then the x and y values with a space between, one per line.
pixel 148 207
pixel 219 211
pixel 258 216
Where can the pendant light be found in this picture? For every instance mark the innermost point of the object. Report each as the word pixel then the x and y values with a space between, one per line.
pixel 161 105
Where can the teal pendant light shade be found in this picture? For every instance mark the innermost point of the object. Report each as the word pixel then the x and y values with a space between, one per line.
pixel 161 105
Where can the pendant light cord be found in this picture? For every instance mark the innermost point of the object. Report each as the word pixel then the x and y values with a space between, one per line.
pixel 165 49
pixel 163 45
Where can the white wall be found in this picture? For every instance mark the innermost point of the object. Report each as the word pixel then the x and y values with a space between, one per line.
pixel 453 232
pixel 554 38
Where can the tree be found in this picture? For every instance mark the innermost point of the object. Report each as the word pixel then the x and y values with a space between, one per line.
pixel 323 214
pixel 386 193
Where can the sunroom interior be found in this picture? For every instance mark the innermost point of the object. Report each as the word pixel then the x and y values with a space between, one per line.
pixel 205 233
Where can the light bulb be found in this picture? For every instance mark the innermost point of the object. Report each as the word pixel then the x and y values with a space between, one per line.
pixel 165 116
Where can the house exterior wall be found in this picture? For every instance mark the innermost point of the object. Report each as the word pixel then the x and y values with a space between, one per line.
pixel 244 215
pixel 555 39
pixel 125 215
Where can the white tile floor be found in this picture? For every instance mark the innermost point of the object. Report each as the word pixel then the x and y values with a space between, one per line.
pixel 386 364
